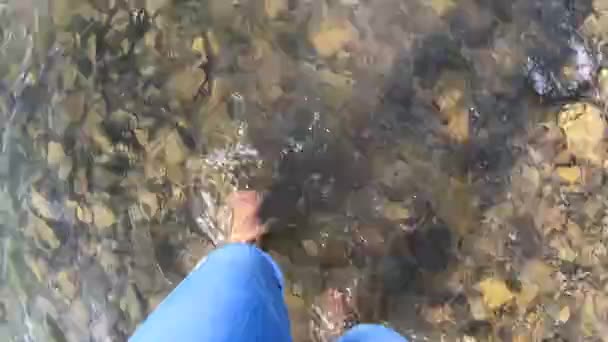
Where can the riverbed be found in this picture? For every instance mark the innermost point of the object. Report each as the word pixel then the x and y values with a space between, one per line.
pixel 442 161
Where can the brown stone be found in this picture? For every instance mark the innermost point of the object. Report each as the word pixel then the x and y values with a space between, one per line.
pixel 569 175
pixel 332 36
pixel 495 293
pixel 585 129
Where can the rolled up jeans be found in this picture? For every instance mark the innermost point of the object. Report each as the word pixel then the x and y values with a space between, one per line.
pixel 235 295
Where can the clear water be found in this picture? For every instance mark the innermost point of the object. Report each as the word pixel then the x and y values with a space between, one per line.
pixel 400 145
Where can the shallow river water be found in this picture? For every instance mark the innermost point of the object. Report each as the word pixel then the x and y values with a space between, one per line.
pixel 441 161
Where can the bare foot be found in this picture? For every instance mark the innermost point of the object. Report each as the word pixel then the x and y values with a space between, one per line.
pixel 333 313
pixel 246 226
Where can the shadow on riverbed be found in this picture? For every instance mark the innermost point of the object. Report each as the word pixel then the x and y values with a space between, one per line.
pixel 387 197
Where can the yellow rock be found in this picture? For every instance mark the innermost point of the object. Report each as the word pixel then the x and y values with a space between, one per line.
pixel 175 174
pixel 84 214
pixel 333 36
pixel 142 137
pixel 175 150
pixel 564 314
pixel 41 205
pixel 198 45
pixel 66 284
pixel 495 293
pixel 459 125
pixel 451 99
pixel 103 216
pixel 569 175
pixel 521 336
pixel 585 128
pixel 214 44
pixel 55 153
pixel 441 6
pixel 395 211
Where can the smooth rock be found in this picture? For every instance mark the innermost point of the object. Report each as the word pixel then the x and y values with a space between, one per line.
pixel 441 7
pixel 596 25
pixel 564 314
pixel 311 248
pixel 176 174
pixel 41 233
pixel 175 150
pixel 495 293
pixel 55 153
pixel 569 175
pixel 451 99
pixel 395 211
pixel 585 128
pixel 84 214
pixel 198 45
pixel 67 284
pixel 332 36
pixel 42 206
pixel 539 273
pixel 103 217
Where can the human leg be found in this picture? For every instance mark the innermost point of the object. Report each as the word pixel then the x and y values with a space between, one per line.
pixel 235 295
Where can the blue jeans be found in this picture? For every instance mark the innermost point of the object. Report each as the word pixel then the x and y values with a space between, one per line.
pixel 235 295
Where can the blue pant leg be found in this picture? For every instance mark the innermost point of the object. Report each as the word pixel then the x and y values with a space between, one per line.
pixel 235 295
pixel 370 333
